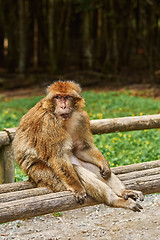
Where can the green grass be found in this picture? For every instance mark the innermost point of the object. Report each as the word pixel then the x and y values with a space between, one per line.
pixel 11 111
pixel 130 147
pixel 118 148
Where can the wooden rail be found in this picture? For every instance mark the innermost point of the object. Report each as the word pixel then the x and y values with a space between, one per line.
pixel 102 126
pixel 125 124
pixel 97 127
pixel 20 200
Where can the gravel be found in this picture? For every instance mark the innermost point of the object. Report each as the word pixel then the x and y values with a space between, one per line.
pixel 90 223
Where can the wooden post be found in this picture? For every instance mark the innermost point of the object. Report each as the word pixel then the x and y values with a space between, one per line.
pixel 1 167
pixel 7 170
pixel 4 140
pixel 9 173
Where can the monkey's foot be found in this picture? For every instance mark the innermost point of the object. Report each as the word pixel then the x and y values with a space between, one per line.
pixel 128 204
pixel 133 194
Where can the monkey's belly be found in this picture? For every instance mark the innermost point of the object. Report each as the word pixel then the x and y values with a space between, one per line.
pixel 75 161
pixel 91 167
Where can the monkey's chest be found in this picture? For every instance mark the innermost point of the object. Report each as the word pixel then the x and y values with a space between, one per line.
pixel 73 132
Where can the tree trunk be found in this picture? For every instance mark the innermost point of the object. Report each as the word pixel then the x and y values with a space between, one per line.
pixel 114 32
pixel 87 53
pixel 35 44
pixel 22 38
pixel 52 58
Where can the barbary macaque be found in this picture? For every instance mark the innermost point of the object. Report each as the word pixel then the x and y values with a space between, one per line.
pixel 55 148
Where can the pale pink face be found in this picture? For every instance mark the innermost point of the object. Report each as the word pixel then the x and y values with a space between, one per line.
pixel 63 105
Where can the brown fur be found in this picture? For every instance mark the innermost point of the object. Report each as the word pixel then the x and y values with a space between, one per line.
pixel 50 134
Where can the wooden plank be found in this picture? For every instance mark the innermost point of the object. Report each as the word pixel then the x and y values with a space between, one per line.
pixel 9 164
pixel 145 181
pixel 11 192
pixel 138 174
pixel 17 195
pixel 7 171
pixel 136 167
pixel 102 126
pixel 147 184
pixel 123 172
pixel 125 124
pixel 40 205
pixel 16 186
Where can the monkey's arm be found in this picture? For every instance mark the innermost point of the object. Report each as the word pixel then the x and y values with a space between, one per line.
pixel 86 150
pixel 92 155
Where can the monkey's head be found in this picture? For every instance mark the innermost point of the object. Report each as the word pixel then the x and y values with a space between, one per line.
pixel 65 98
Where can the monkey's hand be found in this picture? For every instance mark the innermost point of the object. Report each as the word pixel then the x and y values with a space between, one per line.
pixel 80 196
pixel 105 169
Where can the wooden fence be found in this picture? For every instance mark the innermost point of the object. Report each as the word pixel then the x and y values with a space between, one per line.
pixel 20 200
pixel 97 127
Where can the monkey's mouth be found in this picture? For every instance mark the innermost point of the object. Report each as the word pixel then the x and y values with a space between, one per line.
pixel 65 115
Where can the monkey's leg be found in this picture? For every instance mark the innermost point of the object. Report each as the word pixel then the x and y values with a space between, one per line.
pixel 43 176
pixel 118 187
pixel 113 182
pixel 102 192
pixel 63 168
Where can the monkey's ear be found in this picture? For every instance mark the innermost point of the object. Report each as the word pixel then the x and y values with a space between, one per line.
pixel 74 89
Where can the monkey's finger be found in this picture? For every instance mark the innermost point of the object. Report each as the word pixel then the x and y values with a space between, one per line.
pixel 141 196
pixel 137 208
pixel 125 197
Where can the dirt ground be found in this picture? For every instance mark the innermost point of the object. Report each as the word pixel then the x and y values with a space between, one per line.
pixel 90 223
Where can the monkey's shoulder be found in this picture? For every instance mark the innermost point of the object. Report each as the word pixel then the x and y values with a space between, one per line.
pixel 36 121
pixel 33 115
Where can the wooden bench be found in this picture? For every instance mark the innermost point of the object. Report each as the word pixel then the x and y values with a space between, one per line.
pixel 21 200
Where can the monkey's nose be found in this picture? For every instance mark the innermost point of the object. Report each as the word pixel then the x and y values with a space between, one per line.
pixel 63 106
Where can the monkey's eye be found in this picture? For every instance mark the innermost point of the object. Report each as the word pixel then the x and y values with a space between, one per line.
pixel 68 97
pixel 57 97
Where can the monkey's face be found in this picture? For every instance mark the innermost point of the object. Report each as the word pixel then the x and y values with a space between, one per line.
pixel 63 99
pixel 64 106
